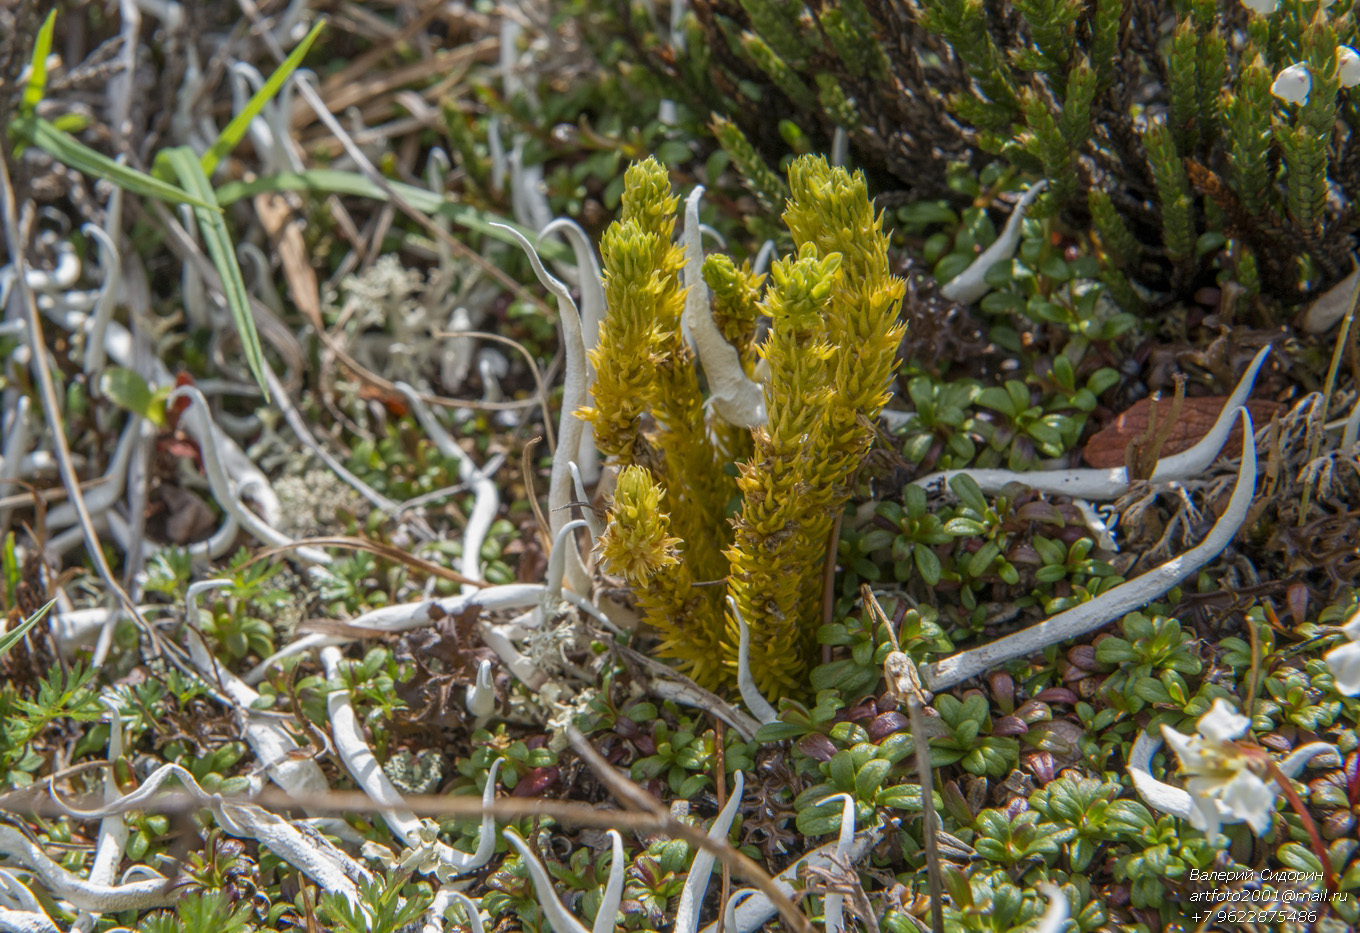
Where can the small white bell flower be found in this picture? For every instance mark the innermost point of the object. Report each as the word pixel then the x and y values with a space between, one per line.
pixel 1262 7
pixel 1347 66
pixel 1223 782
pixel 1345 661
pixel 1293 84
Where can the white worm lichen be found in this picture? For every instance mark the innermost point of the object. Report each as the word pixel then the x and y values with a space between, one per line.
pixel 733 395
pixel 971 284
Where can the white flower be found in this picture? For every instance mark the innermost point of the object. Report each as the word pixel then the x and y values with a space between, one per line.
pixel 1055 918
pixel 1262 7
pixel 1222 723
pixel 1293 84
pixel 1347 66
pixel 1345 661
pixel 1224 786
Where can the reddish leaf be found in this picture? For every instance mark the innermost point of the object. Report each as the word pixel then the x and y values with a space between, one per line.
pixel 1106 449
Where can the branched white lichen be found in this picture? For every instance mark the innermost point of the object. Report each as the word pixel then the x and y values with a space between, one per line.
pixel 226 486
pixel 313 500
pixel 428 855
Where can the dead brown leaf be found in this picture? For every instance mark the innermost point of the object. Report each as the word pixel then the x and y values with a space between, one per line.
pixel 1107 448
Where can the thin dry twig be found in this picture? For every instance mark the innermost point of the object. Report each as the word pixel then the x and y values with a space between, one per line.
pixel 928 814
pixel 385 551
pixel 648 816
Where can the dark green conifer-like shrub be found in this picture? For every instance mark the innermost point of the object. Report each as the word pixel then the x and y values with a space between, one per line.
pixel 1156 124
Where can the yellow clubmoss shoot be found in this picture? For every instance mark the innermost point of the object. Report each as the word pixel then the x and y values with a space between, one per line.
pixel 625 356
pixel 831 355
pixel 735 293
pixel 830 358
pixel 647 198
pixel 645 366
pixel 776 557
pixel 638 546
pixel 830 210
pixel 697 489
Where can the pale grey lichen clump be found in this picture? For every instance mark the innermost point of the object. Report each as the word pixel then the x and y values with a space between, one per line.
pixel 393 315
pixel 311 502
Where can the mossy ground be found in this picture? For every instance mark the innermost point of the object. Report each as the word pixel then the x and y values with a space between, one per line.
pixel 1029 762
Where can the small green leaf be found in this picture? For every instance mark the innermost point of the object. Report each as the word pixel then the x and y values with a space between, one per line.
pixel 998 399
pixel 10 562
pixel 692 785
pixel 964 527
pixel 870 778
pixel 928 563
pixel 1055 268
pixel 969 492
pixel 841 770
pixel 1047 435
pixel 975 708
pixel 981 561
pixel 900 797
pixel 1051 573
pixel 965 733
pixel 956 883
pixel 37 74
pixel 818 821
pixel 128 390
pixel 924 213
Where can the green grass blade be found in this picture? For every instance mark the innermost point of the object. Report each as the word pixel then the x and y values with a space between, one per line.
pixel 37 73
pixel 217 239
pixel 9 563
pixel 332 181
pixel 329 181
pixel 11 638
pixel 68 151
pixel 235 131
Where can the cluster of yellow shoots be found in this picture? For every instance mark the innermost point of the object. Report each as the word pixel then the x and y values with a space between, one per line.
pixel 825 367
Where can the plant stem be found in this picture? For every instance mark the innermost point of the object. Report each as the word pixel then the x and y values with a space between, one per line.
pixel 1309 824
